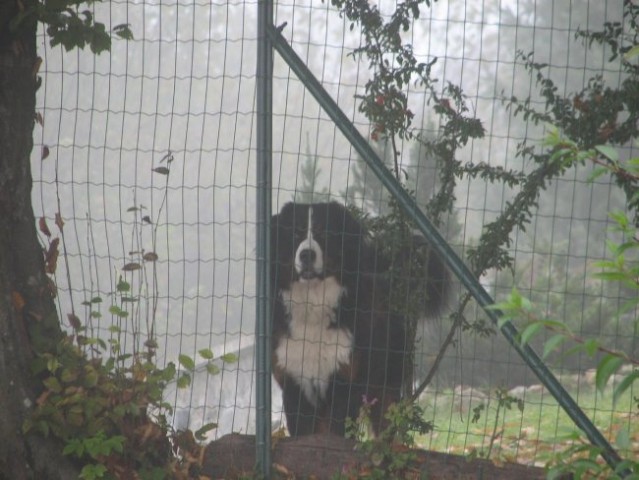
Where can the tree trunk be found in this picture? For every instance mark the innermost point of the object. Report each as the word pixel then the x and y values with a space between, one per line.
pixel 28 318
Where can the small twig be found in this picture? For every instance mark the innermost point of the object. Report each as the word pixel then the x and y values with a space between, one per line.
pixel 615 169
pixel 577 339
pixel 64 243
pixel 458 319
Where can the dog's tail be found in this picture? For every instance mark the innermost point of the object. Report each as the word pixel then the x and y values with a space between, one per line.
pixel 418 278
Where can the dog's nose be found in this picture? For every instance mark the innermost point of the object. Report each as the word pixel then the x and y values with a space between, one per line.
pixel 307 257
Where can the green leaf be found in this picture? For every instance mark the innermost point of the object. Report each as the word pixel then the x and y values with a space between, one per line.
pixel 621 388
pixel 596 173
pixel 124 357
pixel 123 286
pixel 74 447
pixel 92 472
pixel 591 346
pixel 169 372
pixel 200 433
pixel 632 53
pixel 552 344
pixel 53 384
pixel 123 31
pixel 91 377
pixel 529 332
pixel 184 381
pixel 609 152
pixel 206 353
pixel 623 439
pixel 611 276
pixel 229 358
pixel 69 375
pixel 100 40
pixel 27 425
pixel 212 369
pixel 187 362
pixel 607 366
pixel 556 324
pixel 53 364
pixel 620 218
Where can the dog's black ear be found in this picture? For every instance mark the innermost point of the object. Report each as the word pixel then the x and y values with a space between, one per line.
pixel 349 223
pixel 284 211
pixel 287 207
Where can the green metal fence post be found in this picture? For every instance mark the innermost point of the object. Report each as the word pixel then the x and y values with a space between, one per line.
pixel 264 111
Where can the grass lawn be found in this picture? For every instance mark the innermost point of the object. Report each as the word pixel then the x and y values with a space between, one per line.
pixel 530 436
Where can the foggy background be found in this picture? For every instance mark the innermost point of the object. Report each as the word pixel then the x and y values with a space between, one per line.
pixel 181 96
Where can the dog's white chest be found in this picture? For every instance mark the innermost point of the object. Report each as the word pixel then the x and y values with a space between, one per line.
pixel 314 349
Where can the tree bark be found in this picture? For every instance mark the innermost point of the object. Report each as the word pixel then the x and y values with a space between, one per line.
pixel 28 318
pixel 323 456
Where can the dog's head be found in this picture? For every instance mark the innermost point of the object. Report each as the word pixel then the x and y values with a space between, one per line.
pixel 316 241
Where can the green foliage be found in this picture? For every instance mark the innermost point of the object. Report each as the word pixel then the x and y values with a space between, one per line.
pixel 580 459
pixel 598 114
pixel 70 25
pixel 589 126
pixel 390 454
pixel 102 409
pixel 385 102
pixel 395 67
pixel 505 401
pixel 109 411
pixel 102 389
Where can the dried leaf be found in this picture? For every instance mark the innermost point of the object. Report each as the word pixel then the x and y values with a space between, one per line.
pixel 130 267
pixel 282 470
pixel 51 288
pixel 44 228
pixel 36 66
pixel 45 152
pixel 146 219
pixel 51 257
pixel 161 170
pixel 150 257
pixel 18 301
pixel 75 322
pixel 58 221
pixel 39 118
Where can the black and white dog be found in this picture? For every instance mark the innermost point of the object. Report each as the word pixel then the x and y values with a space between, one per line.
pixel 336 344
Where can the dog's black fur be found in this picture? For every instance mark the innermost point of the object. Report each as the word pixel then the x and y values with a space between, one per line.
pixel 336 342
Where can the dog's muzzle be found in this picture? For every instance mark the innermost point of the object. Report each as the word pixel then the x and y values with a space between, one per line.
pixel 307 259
pixel 309 262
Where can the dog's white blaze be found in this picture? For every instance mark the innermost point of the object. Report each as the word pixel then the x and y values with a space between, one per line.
pixel 309 243
pixel 313 351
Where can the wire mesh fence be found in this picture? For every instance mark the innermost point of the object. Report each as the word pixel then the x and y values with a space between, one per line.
pixel 147 153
